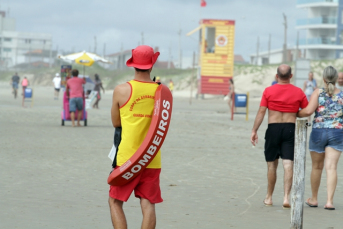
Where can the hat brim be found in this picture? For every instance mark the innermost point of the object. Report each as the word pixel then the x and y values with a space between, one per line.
pixel 130 63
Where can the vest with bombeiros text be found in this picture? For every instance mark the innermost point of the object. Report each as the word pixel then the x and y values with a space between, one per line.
pixel 135 116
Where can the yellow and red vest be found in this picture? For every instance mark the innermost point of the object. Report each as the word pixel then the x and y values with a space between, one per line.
pixel 135 116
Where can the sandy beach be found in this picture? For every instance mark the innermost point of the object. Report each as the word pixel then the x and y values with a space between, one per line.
pixel 55 177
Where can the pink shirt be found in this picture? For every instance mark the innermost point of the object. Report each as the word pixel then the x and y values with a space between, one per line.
pixel 75 87
pixel 24 83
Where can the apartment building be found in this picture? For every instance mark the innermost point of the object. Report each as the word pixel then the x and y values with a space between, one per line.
pixel 15 45
pixel 323 25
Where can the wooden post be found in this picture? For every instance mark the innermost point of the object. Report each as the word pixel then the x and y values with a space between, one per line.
pixel 247 108
pixel 233 105
pixel 298 188
pixel 190 98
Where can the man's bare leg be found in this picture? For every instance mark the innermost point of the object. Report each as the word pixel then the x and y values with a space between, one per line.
pixel 79 114
pixel 331 160
pixel 72 117
pixel 288 179
pixel 117 214
pixel 272 168
pixel 316 175
pixel 149 214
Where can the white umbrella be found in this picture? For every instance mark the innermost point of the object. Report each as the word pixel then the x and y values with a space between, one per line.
pixel 84 58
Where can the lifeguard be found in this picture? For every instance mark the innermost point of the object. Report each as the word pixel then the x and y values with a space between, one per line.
pixel 132 109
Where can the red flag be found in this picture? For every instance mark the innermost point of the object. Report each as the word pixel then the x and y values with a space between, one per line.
pixel 203 3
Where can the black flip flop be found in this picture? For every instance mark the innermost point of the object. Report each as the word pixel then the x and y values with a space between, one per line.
pixel 311 205
pixel 329 208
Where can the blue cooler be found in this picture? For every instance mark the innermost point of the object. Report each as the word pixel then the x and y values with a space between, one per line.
pixel 28 93
pixel 240 100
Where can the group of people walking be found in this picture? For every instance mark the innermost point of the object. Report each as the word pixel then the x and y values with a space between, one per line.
pixel 283 101
pixel 15 85
pixel 97 86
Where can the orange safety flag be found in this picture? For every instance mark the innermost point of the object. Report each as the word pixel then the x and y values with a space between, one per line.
pixel 203 3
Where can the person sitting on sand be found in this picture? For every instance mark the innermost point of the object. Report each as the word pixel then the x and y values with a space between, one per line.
pixel 283 101
pixel 74 92
pixel 326 140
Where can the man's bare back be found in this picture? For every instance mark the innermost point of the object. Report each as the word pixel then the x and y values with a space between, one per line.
pixel 281 117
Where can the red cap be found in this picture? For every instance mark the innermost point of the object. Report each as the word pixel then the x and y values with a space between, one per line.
pixel 143 57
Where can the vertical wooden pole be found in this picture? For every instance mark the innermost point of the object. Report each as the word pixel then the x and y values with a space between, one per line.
pixel 247 108
pixel 298 188
pixel 190 98
pixel 233 105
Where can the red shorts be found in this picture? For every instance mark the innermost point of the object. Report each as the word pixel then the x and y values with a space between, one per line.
pixel 146 185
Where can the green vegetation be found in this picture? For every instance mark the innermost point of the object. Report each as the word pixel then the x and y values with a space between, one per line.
pixel 181 77
pixel 110 78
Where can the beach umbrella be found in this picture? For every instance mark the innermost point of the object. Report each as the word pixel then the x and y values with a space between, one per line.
pixel 84 58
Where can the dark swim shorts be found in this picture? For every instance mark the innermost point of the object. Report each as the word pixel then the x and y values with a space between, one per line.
pixel 279 141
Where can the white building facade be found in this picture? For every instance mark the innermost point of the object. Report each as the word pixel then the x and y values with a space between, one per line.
pixel 323 27
pixel 14 45
pixel 273 56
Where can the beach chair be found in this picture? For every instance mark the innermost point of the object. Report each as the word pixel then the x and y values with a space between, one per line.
pixel 28 96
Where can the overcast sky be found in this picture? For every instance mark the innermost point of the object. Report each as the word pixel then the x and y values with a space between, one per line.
pixel 74 23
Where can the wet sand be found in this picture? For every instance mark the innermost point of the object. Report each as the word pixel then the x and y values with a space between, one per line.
pixel 55 177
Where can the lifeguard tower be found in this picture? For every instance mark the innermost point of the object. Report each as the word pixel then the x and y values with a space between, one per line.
pixel 216 55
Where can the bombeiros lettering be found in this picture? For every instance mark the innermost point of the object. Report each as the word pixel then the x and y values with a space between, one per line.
pixel 161 117
pixel 157 139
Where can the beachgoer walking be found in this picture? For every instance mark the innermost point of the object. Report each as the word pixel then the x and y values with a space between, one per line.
pixel 326 140
pixel 57 85
pixel 74 92
pixel 15 82
pixel 24 84
pixel 283 101
pixel 136 97
pixel 309 86
pixel 339 83
pixel 231 94
pixel 97 87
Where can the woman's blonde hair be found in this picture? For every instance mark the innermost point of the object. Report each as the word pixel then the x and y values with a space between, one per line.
pixel 330 76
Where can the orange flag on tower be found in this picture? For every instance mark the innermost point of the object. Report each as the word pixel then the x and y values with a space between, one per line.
pixel 203 3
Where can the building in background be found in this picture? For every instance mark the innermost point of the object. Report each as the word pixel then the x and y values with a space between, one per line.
pixel 15 45
pixel 119 59
pixel 238 59
pixel 273 57
pixel 324 29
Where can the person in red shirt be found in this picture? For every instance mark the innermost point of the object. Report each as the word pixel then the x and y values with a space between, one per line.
pixel 75 94
pixel 283 101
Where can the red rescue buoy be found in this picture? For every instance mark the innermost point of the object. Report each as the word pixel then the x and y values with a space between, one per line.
pixel 152 143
